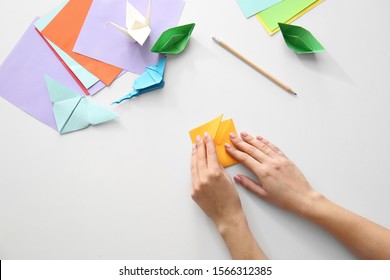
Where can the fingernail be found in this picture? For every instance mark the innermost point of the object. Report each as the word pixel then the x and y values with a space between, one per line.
pixel 244 134
pixel 198 138
pixel 193 147
pixel 237 179
pixel 227 146
pixel 259 138
pixel 206 134
pixel 232 135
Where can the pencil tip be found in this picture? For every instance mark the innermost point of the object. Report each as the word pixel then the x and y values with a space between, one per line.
pixel 216 40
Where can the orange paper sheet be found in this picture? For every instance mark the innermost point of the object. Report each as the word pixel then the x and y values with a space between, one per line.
pixel 219 130
pixel 64 30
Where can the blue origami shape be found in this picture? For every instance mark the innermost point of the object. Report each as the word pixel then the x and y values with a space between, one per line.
pixel 73 111
pixel 151 79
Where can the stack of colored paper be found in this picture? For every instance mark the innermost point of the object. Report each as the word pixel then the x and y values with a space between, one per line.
pixel 271 12
pixel 252 7
pixel 76 47
pixel 285 12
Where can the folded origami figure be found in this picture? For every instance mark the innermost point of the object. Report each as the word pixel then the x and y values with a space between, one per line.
pixel 151 79
pixel 299 39
pixel 174 40
pixel 73 111
pixel 137 26
pixel 218 130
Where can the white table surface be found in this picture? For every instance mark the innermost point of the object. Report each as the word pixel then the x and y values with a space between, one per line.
pixel 122 190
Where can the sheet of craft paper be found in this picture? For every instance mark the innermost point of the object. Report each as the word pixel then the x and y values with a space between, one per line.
pixel 285 12
pixel 84 76
pixel 104 42
pixel 91 84
pixel 251 7
pixel 100 85
pixel 22 77
pixel 63 31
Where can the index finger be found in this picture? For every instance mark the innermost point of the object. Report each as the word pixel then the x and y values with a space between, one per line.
pixel 212 157
pixel 201 160
pixel 194 167
pixel 244 158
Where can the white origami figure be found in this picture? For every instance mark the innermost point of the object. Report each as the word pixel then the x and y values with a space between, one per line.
pixel 137 26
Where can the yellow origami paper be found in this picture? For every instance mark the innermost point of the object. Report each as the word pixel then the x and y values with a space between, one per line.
pixel 218 130
pixel 285 11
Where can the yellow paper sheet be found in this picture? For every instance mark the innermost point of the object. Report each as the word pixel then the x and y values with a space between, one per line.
pixel 272 31
pixel 218 130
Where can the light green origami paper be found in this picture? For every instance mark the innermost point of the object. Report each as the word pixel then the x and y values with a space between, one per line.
pixel 285 11
pixel 73 111
pixel 174 40
pixel 299 39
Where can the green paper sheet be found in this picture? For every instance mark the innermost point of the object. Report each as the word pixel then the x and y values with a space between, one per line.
pixel 285 11
pixel 174 40
pixel 299 39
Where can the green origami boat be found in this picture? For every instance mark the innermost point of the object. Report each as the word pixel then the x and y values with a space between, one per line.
pixel 174 40
pixel 299 39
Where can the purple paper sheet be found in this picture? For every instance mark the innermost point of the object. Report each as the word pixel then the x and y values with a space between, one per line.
pixel 105 43
pixel 100 85
pixel 22 77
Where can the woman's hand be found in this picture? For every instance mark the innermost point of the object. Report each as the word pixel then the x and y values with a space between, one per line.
pixel 212 188
pixel 214 192
pixel 279 180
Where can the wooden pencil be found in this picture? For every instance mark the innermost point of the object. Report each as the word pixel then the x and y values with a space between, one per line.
pixel 254 66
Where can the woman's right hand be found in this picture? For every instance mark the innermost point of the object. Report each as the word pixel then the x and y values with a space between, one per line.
pixel 279 180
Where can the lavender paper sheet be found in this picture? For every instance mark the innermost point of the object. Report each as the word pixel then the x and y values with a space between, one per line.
pixel 100 85
pixel 22 77
pixel 105 43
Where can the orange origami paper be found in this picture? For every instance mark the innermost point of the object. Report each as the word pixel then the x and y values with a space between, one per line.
pixel 218 130
pixel 64 30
